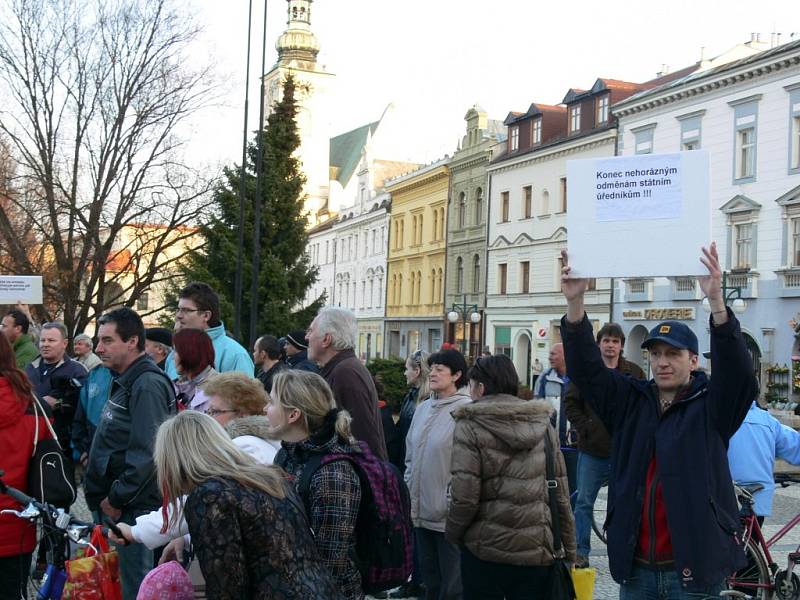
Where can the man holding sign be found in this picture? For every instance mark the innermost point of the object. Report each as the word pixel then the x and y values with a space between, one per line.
pixel 672 517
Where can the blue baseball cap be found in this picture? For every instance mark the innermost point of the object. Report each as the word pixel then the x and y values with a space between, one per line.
pixel 675 334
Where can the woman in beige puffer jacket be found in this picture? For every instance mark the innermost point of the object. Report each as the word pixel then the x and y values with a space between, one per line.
pixel 499 512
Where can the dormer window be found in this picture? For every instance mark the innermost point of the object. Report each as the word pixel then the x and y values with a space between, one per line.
pixel 514 139
pixel 537 131
pixel 575 118
pixel 602 109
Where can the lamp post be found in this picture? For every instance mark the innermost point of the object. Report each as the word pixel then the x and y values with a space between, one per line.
pixel 465 312
pixel 729 293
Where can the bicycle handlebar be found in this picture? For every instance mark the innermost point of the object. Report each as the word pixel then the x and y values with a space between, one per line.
pixel 43 507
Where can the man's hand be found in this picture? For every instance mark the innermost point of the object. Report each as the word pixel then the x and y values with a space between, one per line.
pixel 51 401
pixel 127 534
pixel 173 551
pixel 711 284
pixel 573 290
pixel 24 309
pixel 112 512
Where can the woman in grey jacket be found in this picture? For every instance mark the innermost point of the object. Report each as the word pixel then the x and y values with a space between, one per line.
pixel 429 448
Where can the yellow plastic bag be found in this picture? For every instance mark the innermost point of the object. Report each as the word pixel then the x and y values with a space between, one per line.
pixel 583 580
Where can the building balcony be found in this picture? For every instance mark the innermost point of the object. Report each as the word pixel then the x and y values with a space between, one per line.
pixel 639 290
pixel 746 280
pixel 685 288
pixel 789 280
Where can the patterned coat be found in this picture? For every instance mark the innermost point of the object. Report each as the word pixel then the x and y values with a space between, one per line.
pixel 332 505
pixel 252 545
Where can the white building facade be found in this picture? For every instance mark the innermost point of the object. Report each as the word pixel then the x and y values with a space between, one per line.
pixel 746 114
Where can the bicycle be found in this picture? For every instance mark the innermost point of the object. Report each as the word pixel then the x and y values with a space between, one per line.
pixel 598 515
pixel 762 577
pixel 59 528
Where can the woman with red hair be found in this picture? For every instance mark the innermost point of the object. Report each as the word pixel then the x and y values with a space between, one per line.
pixel 194 360
pixel 17 430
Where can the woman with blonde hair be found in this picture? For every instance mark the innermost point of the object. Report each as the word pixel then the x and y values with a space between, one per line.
pixel 303 415
pixel 248 529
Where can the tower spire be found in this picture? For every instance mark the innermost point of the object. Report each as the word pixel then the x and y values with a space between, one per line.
pixel 298 42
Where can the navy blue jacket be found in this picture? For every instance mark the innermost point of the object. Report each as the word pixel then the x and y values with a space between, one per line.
pixel 690 442
pixel 301 362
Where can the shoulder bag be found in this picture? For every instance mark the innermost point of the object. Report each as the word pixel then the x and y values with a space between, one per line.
pixel 559 584
pixel 51 477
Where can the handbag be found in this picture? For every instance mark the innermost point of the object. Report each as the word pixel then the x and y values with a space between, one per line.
pixel 96 575
pixel 51 477
pixel 559 584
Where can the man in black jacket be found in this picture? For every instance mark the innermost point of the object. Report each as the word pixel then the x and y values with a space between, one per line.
pixel 673 521
pixel 120 476
pixel 296 348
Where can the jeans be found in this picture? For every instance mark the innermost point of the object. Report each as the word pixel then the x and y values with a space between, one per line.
pixel 645 584
pixel 441 565
pixel 571 462
pixel 14 576
pixel 484 580
pixel 135 560
pixel 592 473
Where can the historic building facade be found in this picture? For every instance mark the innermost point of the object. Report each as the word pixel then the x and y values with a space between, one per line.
pixel 744 109
pixel 465 284
pixel 416 260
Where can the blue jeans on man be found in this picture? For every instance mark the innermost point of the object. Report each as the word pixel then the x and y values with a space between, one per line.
pixel 647 584
pixel 593 472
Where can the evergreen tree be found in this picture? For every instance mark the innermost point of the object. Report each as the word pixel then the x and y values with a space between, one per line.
pixel 285 272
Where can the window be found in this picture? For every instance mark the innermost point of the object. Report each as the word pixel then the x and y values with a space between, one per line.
pixel 414 287
pixel 795 151
pixel 441 223
pixel 794 128
pixel 745 113
pixel 602 109
pixel 794 245
pixel 478 206
pixel 575 118
pixel 746 153
pixel 744 245
pixel 400 288
pixel 536 133
pixel 143 303
pixel 462 210
pixel 525 277
pixel 563 195
pixel 690 130
pixel 433 286
pixel 459 275
pixel 644 139
pixel 502 281
pixel 513 139
pixel 545 203
pixel 504 207
pixel 502 340
pixel 440 281
pixel 476 274
pixel 327 248
pixel 413 229
pixel 527 195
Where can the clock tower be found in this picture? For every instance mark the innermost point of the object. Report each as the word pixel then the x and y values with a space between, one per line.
pixel 297 55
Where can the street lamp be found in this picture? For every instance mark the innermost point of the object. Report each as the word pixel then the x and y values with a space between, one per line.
pixel 464 311
pixel 732 292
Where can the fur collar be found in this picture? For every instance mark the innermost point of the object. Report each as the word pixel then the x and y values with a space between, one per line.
pixel 505 405
pixel 255 425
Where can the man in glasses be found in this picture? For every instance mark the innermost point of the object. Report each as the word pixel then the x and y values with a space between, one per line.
pixel 198 308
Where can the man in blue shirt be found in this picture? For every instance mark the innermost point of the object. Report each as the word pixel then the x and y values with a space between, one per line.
pixel 198 308
pixel 753 450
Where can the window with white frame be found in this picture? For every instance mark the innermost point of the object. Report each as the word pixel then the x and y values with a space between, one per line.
pixel 575 118
pixel 602 109
pixel 795 156
pixel 794 244
pixel 513 139
pixel 502 281
pixel 536 136
pixel 743 250
pixel 745 114
pixel 691 130
pixel 794 128
pixel 643 139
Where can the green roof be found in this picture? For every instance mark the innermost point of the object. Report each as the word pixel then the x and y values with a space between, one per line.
pixel 345 151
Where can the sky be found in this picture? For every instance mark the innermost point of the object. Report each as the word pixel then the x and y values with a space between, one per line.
pixel 434 59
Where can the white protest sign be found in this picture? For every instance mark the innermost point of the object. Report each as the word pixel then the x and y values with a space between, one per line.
pixel 20 288
pixel 639 216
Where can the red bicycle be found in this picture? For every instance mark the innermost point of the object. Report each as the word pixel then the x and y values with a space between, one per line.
pixel 762 579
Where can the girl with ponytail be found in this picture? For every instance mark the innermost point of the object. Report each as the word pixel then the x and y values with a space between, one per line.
pixel 303 415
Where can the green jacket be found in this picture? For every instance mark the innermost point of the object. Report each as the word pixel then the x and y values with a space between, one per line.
pixel 25 350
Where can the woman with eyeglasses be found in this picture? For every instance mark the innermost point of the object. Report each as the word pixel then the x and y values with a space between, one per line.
pixel 193 355
pixel 499 502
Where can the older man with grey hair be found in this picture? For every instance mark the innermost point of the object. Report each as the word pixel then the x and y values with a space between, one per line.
pixel 331 339
pixel 83 346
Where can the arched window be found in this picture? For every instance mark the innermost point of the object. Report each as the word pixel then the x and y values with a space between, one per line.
pixel 462 210
pixel 439 280
pixel 459 275
pixel 545 203
pixel 413 287
pixel 414 229
pixel 393 295
pixel 433 286
pixel 400 288
pixel 478 206
pixel 419 239
pixel 476 274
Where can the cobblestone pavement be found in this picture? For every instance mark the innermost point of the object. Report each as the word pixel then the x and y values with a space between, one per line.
pixel 785 506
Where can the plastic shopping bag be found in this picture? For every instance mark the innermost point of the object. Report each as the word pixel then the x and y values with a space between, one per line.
pixel 96 575
pixel 583 579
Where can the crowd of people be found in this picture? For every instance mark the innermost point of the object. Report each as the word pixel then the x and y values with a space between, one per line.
pixel 200 451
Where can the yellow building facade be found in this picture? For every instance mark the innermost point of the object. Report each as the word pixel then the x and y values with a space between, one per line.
pixel 416 260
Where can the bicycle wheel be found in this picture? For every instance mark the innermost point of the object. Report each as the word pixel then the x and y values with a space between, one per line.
pixel 599 514
pixel 755 579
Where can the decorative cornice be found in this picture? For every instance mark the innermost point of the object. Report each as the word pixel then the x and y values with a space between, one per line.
pixel 609 137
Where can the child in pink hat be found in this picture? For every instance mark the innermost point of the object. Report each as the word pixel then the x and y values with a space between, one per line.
pixel 166 582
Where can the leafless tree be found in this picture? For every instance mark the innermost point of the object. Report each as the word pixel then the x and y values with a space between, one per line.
pixel 94 97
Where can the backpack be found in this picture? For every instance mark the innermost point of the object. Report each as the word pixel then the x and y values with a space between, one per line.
pixel 51 477
pixel 383 527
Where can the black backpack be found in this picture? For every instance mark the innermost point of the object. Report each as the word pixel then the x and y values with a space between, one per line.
pixel 51 477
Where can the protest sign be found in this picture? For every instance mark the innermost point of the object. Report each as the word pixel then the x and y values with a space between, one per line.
pixel 20 288
pixel 639 216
